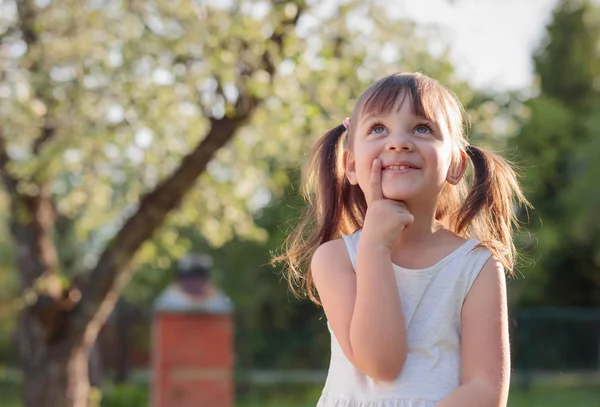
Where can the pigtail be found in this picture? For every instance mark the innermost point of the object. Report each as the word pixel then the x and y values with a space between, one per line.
pixel 488 211
pixel 325 179
pixel 323 218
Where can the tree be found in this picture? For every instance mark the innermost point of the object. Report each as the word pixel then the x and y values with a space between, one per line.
pixel 558 146
pixel 62 82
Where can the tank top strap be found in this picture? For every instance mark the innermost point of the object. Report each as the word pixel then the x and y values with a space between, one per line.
pixel 473 263
pixel 352 246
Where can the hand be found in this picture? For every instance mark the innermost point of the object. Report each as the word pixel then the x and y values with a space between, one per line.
pixel 385 218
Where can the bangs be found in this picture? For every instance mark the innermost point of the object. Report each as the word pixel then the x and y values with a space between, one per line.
pixel 425 95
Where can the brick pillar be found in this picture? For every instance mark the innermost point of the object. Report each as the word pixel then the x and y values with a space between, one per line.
pixel 192 349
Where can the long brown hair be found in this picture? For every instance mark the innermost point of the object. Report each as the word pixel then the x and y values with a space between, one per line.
pixel 481 207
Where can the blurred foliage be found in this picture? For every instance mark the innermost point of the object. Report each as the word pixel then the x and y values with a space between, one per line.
pixel 559 146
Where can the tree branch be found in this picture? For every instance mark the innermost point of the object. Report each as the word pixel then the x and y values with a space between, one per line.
pixel 110 275
pixel 27 15
pixel 31 224
pixel 27 12
pixel 101 288
pixel 46 135
pixel 10 182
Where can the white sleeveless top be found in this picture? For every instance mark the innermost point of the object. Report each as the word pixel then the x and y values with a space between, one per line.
pixel 431 300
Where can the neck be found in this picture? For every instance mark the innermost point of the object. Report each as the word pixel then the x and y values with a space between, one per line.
pixel 423 227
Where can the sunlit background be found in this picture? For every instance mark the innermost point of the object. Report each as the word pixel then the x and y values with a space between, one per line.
pixel 149 159
pixel 491 41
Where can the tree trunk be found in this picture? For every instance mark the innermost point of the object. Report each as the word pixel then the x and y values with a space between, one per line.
pixel 95 367
pixel 55 373
pixel 123 325
pixel 55 338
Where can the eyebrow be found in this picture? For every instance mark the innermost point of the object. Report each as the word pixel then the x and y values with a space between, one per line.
pixel 370 117
pixel 376 116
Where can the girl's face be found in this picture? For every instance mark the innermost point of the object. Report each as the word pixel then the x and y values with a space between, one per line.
pixel 415 153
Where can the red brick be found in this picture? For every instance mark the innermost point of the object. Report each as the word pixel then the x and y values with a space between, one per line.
pixel 193 360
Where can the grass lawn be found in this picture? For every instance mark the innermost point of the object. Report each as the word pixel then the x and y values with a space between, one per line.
pixel 556 396
pixel 538 396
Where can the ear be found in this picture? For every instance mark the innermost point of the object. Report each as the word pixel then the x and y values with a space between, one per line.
pixel 350 167
pixel 457 169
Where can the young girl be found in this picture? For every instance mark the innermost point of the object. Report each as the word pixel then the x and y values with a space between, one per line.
pixel 407 262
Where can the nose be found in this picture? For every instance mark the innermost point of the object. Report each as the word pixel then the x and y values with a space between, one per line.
pixel 399 141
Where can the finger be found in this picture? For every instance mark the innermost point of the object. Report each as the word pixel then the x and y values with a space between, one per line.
pixel 375 182
pixel 405 220
pixel 401 205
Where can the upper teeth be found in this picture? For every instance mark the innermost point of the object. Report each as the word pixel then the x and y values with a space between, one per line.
pixel 398 167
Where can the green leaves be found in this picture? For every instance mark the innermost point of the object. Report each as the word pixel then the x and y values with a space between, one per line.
pixel 558 148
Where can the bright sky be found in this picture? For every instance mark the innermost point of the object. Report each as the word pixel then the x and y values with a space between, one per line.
pixel 491 40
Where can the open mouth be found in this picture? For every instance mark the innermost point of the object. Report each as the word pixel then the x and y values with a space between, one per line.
pixel 400 167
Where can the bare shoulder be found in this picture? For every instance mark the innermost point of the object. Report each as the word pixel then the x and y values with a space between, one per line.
pixel 330 257
pixel 493 270
pixel 335 281
pixel 493 266
pixel 490 282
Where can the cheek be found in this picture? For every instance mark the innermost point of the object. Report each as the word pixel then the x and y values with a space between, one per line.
pixel 444 154
pixel 441 158
pixel 364 164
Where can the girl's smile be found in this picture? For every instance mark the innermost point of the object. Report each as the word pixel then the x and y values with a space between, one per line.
pixel 402 167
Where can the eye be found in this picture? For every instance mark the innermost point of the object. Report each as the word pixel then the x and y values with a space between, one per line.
pixel 423 129
pixel 377 128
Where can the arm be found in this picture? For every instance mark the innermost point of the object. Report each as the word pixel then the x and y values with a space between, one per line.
pixel 363 308
pixel 485 348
